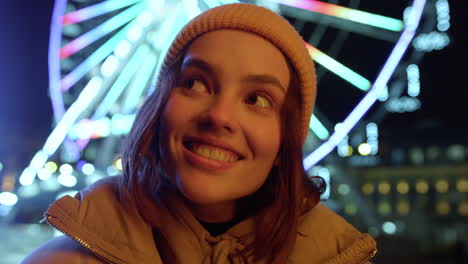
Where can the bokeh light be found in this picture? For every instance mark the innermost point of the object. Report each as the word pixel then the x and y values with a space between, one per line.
pixel 443 207
pixel 403 207
pixel 384 187
pixel 422 186
pixel 441 185
pixel 367 188
pixel 402 187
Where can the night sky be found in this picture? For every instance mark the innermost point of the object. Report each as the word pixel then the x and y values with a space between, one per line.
pixel 25 110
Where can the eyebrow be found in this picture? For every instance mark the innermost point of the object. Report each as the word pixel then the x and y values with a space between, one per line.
pixel 264 79
pixel 198 63
pixel 256 78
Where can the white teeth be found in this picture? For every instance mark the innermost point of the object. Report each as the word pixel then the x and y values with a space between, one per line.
pixel 214 153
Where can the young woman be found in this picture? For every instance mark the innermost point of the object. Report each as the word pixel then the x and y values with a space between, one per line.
pixel 213 167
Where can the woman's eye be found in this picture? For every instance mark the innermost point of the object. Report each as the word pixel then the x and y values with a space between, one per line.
pixel 196 85
pixel 259 100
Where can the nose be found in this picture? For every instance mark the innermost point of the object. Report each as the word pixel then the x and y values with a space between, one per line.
pixel 219 116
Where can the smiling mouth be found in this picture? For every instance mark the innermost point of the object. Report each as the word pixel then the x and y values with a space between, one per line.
pixel 211 152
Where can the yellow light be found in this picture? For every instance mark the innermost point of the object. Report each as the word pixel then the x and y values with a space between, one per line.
pixel 351 209
pixel 385 208
pixel 51 166
pixel 367 188
pixel 463 208
pixel 364 149
pixel 384 187
pixel 118 164
pixel 350 151
pixel 422 186
pixel 462 185
pixel 442 186
pixel 403 207
pixel 443 207
pixel 402 187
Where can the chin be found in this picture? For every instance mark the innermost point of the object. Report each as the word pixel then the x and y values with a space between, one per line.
pixel 199 195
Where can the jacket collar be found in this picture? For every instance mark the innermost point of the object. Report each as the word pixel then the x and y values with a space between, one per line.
pixel 104 224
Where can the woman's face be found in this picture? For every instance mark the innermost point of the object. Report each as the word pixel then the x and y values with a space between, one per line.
pixel 220 129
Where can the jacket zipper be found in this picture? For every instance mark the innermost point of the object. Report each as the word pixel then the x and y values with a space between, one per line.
pixel 370 256
pixel 79 240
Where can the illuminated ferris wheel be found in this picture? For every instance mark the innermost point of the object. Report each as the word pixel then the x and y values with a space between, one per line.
pixel 103 55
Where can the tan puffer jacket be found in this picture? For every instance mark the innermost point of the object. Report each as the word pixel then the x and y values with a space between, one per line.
pixel 100 229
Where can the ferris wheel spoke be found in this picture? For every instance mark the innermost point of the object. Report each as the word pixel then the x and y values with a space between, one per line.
pixel 318 128
pixel 138 85
pixel 122 81
pixel 352 20
pixel 105 28
pixel 94 59
pixel 339 69
pixel 95 10
pixel 86 129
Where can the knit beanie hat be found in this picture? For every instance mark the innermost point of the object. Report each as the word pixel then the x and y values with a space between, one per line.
pixel 265 23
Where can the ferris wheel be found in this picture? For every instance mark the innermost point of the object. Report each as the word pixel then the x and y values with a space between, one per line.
pixel 103 55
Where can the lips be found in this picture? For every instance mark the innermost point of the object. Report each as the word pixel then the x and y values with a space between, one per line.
pixel 212 150
pixel 213 153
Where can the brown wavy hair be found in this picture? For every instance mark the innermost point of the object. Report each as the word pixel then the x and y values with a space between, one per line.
pixel 283 198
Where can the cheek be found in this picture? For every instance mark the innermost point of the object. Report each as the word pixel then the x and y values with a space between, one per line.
pixel 267 139
pixel 179 111
pixel 172 118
